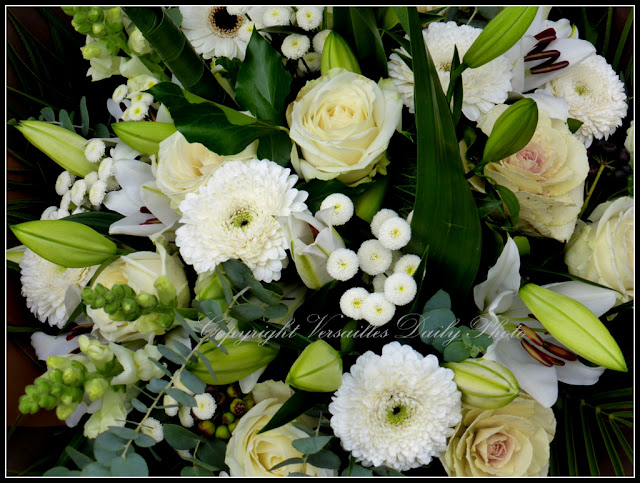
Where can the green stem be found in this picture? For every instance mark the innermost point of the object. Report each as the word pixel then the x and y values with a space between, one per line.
pixel 452 81
pixel 591 190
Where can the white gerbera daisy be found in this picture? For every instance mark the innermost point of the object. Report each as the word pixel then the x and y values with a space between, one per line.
pixel 402 77
pixel 319 39
pixel 394 233
pixel 234 216
pixel 94 150
pixel 152 427
pixel 277 17
pixel 342 208
pixel 407 264
pixel 373 257
pixel 45 286
pixel 213 31
pixel 400 288
pixel 377 310
pixel 595 95
pixel 397 409
pixel 295 46
pixel 379 218
pixel 64 182
pixel 237 9
pixel 351 302
pixel 309 18
pixel 342 264
pixel 205 406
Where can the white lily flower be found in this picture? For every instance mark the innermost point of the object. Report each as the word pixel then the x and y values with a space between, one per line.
pixel 503 310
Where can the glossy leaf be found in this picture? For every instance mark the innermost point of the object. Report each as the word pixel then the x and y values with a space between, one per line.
pixel 179 437
pixel 298 404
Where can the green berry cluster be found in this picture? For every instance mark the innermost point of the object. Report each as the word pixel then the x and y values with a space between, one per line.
pixel 231 404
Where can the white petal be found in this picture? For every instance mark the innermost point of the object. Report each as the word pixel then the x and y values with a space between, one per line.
pixel 578 374
pixel 50 345
pixel 248 383
pixel 555 107
pixel 597 300
pixel 503 276
pixel 158 204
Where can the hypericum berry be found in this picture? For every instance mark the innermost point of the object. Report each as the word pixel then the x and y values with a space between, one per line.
pixel 234 391
pixel 228 418
pixel 207 428
pixel 222 432
pixel 238 407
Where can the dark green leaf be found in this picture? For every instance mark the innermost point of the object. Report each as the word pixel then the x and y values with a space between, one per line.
pixel 440 300
pixel 246 312
pixel 101 131
pixel 287 462
pixel 80 459
pixel 132 465
pixel 455 352
pixel 275 147
pixel 488 12
pixel 192 382
pixel 145 441
pixel 62 471
pixel 110 441
pixel 369 47
pixel 311 445
pixel 324 459
pixel 162 367
pixel 65 120
pixel 126 433
pixel 84 116
pixel 207 364
pixel 476 340
pixel 213 452
pixel 304 428
pixel 574 124
pixel 276 311
pixel 181 348
pixel 182 397
pixel 179 437
pixel 187 327
pixel 386 471
pixel 100 221
pixel 611 449
pixel 298 404
pixel 512 203
pixel 48 114
pixel 175 15
pixel 195 471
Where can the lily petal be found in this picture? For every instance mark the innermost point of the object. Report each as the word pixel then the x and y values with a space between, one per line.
pixel 502 277
pixel 248 383
pixel 577 373
pixel 50 345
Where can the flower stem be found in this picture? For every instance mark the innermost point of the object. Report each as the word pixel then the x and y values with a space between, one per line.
pixel 591 190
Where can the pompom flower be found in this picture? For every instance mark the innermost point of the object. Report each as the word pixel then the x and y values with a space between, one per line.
pixel 319 40
pixel 136 111
pixel 94 150
pixel 342 208
pixel 205 406
pixel 400 288
pixel 277 17
pixel 379 218
pixel 64 182
pixel 407 264
pixel 394 233
pixel 596 97
pixel 152 427
pixel 97 192
pixel 120 93
pixel 342 264
pixel 309 18
pixel 373 257
pixel 377 310
pixel 397 409
pixel 78 192
pixel 351 302
pixel 105 171
pixel 234 215
pixel 311 61
pixel 378 282
pixel 295 46
pixel 185 416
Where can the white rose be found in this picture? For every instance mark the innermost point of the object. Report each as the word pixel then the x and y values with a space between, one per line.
pixel 603 251
pixel 253 454
pixel 342 123
pixel 139 270
pixel 183 167
pixel 547 176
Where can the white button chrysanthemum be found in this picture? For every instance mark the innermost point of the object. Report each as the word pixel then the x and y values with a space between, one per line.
pixel 312 60
pixel 90 179
pixel 379 218
pixel 45 285
pixel 143 97
pixel 400 288
pixel 97 192
pixel 407 264
pixel 214 31
pixel 120 93
pixel 205 406
pixel 397 409
pixel 185 416
pixel 378 282
pixel 309 18
pixel 152 427
pixel 377 310
pixel 169 401
pixel 351 302
pixel 373 257
pixel 234 215
pixel 277 17
pixel 319 39
pixel 595 95
pixel 106 169
pixel 64 182
pixel 94 150
pixel 78 192
pixel 394 233
pixel 245 31
pixel 342 208
pixel 295 46
pixel 50 213
pixel 342 264
pixel 65 201
pixel 136 111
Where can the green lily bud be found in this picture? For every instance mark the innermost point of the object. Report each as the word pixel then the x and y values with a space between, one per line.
pixel 500 34
pixel 95 14
pixel 522 242
pixel 147 301
pixel 207 428
pixel 228 418
pixel 317 369
pixel 48 402
pixel 63 411
pixel 166 291
pixel 15 254
pixel 96 388
pixel 512 131
pixel 63 146
pixel 65 243
pixel 574 326
pixel 26 405
pixel 243 359
pixel 238 408
pixel 209 286
pixel 337 53
pixel 484 384
pixel 222 432
pixel 143 136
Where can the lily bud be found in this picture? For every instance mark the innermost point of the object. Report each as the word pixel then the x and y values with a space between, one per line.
pixel 317 369
pixel 500 34
pixel 209 286
pixel 243 358
pixel 512 131
pixel 484 384
pixel 143 136
pixel 63 146
pixel 337 53
pixel 574 326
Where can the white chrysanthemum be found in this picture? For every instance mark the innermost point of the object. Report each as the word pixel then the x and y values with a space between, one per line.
pixel 378 282
pixel 377 310
pixel 234 215
pixel 295 46
pixel 484 86
pixel 312 60
pixel 45 286
pixel 342 264
pixel 407 264
pixel 373 257
pixel 169 401
pixel 78 192
pixel 319 39
pixel 595 95
pixel 152 427
pixel 90 179
pixel 342 208
pixel 214 32
pixel 143 97
pixel 94 150
pixel 245 31
pixel 136 111
pixel 628 142
pixel 277 17
pixel 309 18
pixel 400 288
pixel 185 416
pixel 106 169
pixel 379 218
pixel 97 192
pixel 394 233
pixel 65 201
pixel 120 93
pixel 351 302
pixel 205 406
pixel 237 9
pixel 50 213
pixel 149 83
pixel 402 77
pixel 64 182
pixel 397 409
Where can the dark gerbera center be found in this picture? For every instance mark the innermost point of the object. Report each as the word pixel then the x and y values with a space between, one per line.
pixel 223 23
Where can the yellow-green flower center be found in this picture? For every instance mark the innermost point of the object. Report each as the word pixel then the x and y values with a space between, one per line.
pixel 242 219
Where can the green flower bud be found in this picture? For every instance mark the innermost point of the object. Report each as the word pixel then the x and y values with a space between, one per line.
pixel 118 291
pixel 98 353
pixel 81 28
pixel 95 14
pixel 63 411
pixel 31 390
pixel 484 384
pixel 111 308
pixel 222 432
pixel 81 18
pixel 96 388
pixel 243 359
pixel 337 53
pixel 99 30
pixel 512 131
pixel 71 395
pixel 207 428
pixel 26 405
pixel 69 10
pixel 55 375
pixel 44 387
pixel 129 306
pixel 209 286
pixel 72 375
pixel 88 296
pixel 57 388
pixel 57 362
pixel 166 291
pixel 147 301
pixel 113 19
pixel 238 408
pixel 574 326
pixel 109 297
pixel 48 402
pixel 317 369
pixel 144 137
pixel 228 417
pixel 100 290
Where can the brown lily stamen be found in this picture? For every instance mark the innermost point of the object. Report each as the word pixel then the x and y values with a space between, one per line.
pixel 544 69
pixel 560 351
pixel 151 221
pixel 544 55
pixel 536 353
pixel 530 334
pixel 546 36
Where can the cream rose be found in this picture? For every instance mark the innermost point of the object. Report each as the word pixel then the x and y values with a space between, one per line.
pixel 253 454
pixel 139 270
pixel 342 123
pixel 547 176
pixel 603 251
pixel 182 167
pixel 510 441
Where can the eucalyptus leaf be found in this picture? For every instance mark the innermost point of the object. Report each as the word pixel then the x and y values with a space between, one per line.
pixel 324 459
pixel 80 459
pixel 311 445
pixel 110 441
pixel 131 465
pixel 182 397
pixel 213 452
pixel 192 382
pixel 126 433
pixel 170 354
pixel 246 312
pixel 139 406
pixel 144 441
pixel 96 469
pixel 455 352
pixel 179 437
pixel 157 385
pixel 84 116
pixel 440 300
pixel 287 462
